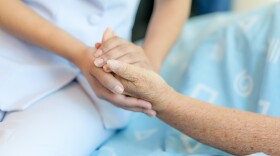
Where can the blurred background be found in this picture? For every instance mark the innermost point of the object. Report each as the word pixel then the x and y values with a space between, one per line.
pixel 199 7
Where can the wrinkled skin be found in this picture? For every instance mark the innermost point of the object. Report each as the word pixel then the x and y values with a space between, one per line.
pixel 142 83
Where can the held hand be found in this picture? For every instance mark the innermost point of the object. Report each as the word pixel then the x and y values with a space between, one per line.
pixel 107 87
pixel 119 49
pixel 105 84
pixel 142 83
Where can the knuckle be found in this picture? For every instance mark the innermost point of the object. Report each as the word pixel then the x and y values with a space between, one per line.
pixel 140 79
pixel 135 80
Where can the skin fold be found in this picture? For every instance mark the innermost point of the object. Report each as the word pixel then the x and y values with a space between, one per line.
pixel 234 131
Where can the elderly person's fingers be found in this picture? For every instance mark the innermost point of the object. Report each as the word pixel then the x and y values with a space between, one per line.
pixel 119 100
pixel 107 80
pixel 123 70
pixel 141 83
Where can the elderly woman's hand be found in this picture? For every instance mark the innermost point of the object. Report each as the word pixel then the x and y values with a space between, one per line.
pixel 141 83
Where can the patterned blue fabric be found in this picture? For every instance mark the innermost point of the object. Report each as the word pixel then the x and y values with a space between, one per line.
pixel 229 60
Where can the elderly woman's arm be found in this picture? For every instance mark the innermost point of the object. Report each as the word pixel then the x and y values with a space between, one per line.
pixel 234 131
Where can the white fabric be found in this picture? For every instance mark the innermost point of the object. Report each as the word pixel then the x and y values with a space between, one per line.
pixel 29 73
pixel 112 115
pixel 66 123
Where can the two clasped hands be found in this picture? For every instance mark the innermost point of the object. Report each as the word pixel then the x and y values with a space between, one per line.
pixel 119 72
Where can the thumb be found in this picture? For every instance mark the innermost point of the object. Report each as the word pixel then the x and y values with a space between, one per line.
pixel 107 35
pixel 124 70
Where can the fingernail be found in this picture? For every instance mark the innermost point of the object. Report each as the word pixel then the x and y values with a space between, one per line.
pixel 154 114
pixel 98 53
pixel 98 62
pixel 118 89
pixel 147 106
pixel 151 113
pixel 97 45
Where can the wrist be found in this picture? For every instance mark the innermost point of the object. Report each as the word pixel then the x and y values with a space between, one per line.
pixel 82 56
pixel 166 99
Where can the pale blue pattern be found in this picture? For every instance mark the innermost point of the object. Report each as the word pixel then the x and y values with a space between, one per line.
pixel 229 60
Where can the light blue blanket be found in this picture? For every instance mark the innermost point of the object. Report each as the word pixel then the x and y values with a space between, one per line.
pixel 225 59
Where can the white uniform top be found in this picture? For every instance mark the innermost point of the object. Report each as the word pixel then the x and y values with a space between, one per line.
pixel 29 73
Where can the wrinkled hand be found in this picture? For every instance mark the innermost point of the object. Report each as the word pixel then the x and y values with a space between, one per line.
pixel 119 49
pixel 107 87
pixel 142 83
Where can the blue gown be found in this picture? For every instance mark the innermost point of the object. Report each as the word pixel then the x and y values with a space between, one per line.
pixel 230 60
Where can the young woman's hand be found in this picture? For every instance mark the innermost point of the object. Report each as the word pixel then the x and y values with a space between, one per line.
pixel 142 83
pixel 119 49
pixel 107 87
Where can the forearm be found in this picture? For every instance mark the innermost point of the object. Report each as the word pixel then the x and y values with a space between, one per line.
pixel 165 26
pixel 21 21
pixel 237 132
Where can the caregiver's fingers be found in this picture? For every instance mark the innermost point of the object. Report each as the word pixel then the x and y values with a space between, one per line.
pixel 148 112
pixel 117 52
pixel 131 102
pixel 124 70
pixel 118 99
pixel 106 68
pixel 110 44
pixel 107 80
pixel 107 35
pixel 97 45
